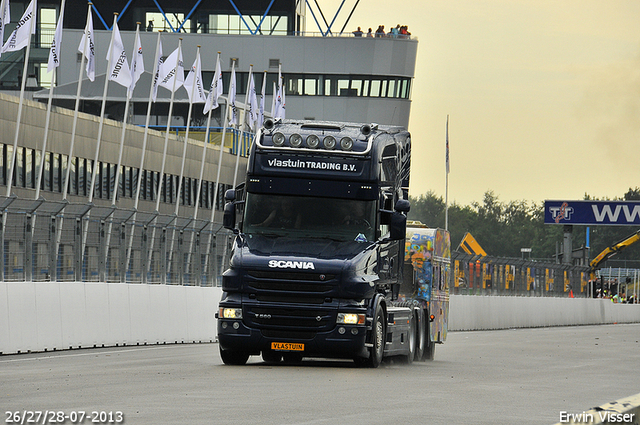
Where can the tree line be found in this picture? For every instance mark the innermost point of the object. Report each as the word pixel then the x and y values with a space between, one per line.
pixel 503 228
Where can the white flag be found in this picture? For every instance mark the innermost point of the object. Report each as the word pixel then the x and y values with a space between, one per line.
pixel 215 91
pixel 273 101
pixel 170 72
pixel 262 96
pixel 54 53
pixel 279 100
pixel 232 97
pixel 120 71
pixel 156 72
pixel 20 36
pixel 283 106
pixel 87 48
pixel 137 64
pixel 5 17
pixel 253 103
pixel 195 78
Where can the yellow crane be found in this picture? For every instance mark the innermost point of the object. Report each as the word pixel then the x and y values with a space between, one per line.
pixel 612 250
pixel 471 246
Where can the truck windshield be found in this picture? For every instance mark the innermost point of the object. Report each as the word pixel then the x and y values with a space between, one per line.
pixel 311 217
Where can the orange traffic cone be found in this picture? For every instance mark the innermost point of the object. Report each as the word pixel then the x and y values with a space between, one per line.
pixel 571 294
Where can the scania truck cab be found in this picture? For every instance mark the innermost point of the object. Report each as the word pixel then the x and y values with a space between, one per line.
pixel 316 268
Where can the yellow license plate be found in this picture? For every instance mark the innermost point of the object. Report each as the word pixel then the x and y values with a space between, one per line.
pixel 287 346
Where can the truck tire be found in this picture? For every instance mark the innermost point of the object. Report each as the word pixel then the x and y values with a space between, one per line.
pixel 378 338
pixel 421 333
pixel 411 340
pixel 233 357
pixel 430 346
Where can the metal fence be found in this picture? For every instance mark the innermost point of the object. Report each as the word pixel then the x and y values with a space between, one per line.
pixel 59 241
pixel 476 275
pixel 56 241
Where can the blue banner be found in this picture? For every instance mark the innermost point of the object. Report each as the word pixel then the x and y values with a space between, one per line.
pixel 589 213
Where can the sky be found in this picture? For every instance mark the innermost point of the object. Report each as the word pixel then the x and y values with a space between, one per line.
pixel 543 97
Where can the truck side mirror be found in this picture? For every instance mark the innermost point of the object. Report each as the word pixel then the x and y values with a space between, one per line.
pixel 398 226
pixel 229 217
pixel 402 205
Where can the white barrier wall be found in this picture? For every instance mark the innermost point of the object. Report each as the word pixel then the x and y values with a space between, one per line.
pixel 39 316
pixel 471 312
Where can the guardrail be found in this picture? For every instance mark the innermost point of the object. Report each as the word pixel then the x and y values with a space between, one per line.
pixel 478 275
pixel 59 241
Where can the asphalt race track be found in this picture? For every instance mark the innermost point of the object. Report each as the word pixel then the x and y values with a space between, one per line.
pixel 525 376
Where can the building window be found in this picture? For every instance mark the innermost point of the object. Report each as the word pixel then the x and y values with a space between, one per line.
pixel 155 21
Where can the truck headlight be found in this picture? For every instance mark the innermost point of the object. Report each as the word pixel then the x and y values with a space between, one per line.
pixel 295 140
pixel 230 313
pixel 351 318
pixel 329 142
pixel 278 139
pixel 313 141
pixel 346 143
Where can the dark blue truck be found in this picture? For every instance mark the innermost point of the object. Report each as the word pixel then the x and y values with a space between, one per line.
pixel 320 265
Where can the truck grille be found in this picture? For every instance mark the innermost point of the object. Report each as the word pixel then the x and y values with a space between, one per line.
pixel 282 275
pixel 290 287
pixel 278 318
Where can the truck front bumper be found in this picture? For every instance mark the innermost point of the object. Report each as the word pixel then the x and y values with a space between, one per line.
pixel 344 341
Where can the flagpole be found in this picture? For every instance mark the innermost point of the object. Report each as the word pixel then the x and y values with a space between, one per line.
pixel 166 141
pixel 144 147
pixel 99 141
pixel 202 162
pixel 186 136
pixel 224 131
pixel 446 191
pixel 76 109
pixel 101 123
pixel 48 119
pixel 241 124
pixel 195 82
pixel 25 68
pixel 204 148
pixel 146 124
pixel 87 37
pixel 44 149
pixel 124 125
pixel 215 193
pixel 166 134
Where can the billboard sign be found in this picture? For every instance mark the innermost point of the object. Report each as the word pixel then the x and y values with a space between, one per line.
pixel 592 213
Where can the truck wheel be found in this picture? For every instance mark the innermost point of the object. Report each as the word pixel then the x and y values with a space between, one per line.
pixel 411 341
pixel 271 356
pixel 421 334
pixel 378 336
pixel 430 346
pixel 233 357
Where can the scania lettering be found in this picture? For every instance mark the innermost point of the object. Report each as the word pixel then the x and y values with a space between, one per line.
pixel 291 264
pixel 323 263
